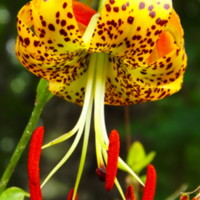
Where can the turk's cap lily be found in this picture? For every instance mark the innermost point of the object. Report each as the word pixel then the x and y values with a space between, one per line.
pixel 128 52
pixel 142 43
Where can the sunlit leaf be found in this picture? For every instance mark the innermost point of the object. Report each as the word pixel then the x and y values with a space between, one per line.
pixel 13 193
pixel 137 158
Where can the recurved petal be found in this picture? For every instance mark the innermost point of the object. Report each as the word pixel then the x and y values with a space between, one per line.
pixel 73 90
pixel 130 28
pixel 160 76
pixel 42 60
pixel 126 86
pixel 55 24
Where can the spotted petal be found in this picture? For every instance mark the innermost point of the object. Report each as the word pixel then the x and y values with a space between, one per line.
pixel 130 28
pixel 55 24
pixel 49 53
pixel 160 76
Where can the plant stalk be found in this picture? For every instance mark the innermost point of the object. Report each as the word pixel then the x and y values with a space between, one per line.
pixel 43 95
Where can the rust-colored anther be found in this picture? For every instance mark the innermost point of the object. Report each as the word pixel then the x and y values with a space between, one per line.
pixel 70 195
pixel 150 185
pixel 101 173
pixel 184 197
pixel 34 162
pixel 130 193
pixel 112 163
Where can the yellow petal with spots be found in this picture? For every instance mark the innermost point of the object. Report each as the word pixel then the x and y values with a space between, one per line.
pixel 160 76
pixel 55 24
pixel 130 29
pixel 73 90
pixel 42 60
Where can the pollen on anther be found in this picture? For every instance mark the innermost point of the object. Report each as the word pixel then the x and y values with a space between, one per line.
pixel 112 162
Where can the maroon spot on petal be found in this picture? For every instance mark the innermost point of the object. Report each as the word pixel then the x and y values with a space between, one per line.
pixel 108 8
pixel 60 45
pixel 69 15
pixel 153 27
pixel 112 1
pixel 67 39
pixel 166 6
pixel 50 41
pixel 64 5
pixel 161 22
pixel 130 19
pixel 43 23
pixel 70 27
pixel 27 41
pixel 150 8
pixel 58 14
pixel 100 32
pixel 63 22
pixel 152 14
pixel 141 5
pixel 51 27
pixel 116 9
pixel 36 43
pixel 123 7
pixel 169 66
pixel 63 32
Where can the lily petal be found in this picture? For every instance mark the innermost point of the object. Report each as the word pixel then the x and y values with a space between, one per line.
pixel 58 28
pixel 42 58
pixel 160 76
pixel 130 28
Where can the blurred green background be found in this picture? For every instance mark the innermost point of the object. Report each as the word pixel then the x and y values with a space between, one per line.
pixel 171 126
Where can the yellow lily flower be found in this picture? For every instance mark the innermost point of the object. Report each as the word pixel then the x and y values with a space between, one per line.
pixel 128 52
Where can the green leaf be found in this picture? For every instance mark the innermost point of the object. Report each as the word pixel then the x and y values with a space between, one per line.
pixel 137 158
pixel 136 154
pixel 13 193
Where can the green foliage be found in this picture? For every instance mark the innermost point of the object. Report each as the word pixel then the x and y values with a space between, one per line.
pixel 137 159
pixel 14 193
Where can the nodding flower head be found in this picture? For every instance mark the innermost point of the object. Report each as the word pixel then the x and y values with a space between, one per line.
pixel 138 44
pixel 126 53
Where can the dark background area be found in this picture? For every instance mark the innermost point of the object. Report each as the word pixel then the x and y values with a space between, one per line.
pixel 171 126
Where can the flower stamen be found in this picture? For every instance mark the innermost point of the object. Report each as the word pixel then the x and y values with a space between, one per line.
pixel 130 193
pixel 101 173
pixel 33 164
pixel 112 163
pixel 150 184
pixel 70 195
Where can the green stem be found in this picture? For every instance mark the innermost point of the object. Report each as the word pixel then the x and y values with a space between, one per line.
pixel 42 97
pixel 90 3
pixel 101 4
